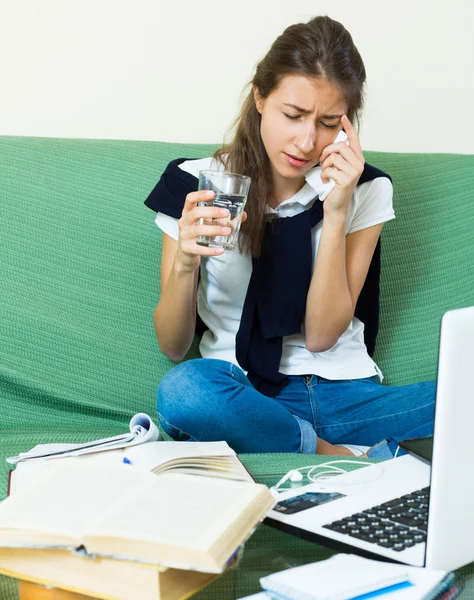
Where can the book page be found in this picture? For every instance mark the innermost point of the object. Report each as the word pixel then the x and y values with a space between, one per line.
pixel 28 472
pixel 154 455
pixel 215 457
pixel 176 509
pixel 63 499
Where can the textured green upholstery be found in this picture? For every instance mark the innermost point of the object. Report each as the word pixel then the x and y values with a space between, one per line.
pixel 79 272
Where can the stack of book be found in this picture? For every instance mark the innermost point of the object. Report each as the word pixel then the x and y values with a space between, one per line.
pixel 351 577
pixel 104 524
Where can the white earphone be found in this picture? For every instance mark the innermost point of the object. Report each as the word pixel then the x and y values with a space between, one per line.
pixel 296 475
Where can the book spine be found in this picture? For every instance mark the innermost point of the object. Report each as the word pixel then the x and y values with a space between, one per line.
pixel 452 593
pixel 443 586
pixel 9 483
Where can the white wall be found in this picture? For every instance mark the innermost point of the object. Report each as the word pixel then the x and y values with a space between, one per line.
pixel 174 71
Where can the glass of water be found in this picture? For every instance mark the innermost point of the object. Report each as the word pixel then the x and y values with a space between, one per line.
pixel 231 191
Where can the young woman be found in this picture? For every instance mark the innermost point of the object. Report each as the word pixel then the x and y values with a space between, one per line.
pixel 291 318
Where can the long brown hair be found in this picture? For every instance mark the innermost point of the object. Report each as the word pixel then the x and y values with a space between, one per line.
pixel 320 48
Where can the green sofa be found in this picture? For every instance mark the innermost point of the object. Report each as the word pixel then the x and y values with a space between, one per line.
pixel 80 261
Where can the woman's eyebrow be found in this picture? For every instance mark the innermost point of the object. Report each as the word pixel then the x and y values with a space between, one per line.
pixel 305 111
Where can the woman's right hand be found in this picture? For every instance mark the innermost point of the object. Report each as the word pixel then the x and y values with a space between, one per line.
pixel 188 253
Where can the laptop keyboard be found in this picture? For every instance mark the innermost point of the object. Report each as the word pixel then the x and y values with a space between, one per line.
pixel 397 524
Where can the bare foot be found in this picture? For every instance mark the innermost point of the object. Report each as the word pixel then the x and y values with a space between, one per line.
pixel 328 449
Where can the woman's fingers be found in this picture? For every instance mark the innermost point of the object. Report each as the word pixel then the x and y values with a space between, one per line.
pixel 341 164
pixel 351 152
pixel 199 221
pixel 335 174
pixel 192 212
pixel 206 212
pixel 334 160
pixel 202 221
pixel 342 150
pixel 191 233
pixel 340 147
pixel 354 168
pixel 352 136
pixel 194 197
pixel 190 247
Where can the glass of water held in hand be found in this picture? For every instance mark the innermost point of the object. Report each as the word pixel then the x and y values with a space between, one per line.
pixel 231 191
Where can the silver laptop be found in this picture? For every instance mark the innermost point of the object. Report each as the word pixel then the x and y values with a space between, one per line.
pixel 403 510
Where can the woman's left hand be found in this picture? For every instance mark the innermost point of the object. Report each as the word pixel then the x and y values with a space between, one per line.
pixel 344 164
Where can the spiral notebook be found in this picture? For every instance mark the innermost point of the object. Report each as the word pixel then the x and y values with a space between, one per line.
pixel 351 577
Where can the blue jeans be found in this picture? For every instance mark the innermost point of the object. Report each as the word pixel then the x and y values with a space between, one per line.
pixel 207 399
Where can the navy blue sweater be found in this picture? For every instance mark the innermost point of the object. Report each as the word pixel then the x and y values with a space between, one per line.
pixel 275 303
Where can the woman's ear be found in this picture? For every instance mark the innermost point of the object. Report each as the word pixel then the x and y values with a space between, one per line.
pixel 258 100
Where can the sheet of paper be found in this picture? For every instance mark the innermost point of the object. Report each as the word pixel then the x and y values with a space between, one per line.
pixel 142 430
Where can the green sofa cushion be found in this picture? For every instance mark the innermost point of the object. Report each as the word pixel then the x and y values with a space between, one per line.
pixel 79 271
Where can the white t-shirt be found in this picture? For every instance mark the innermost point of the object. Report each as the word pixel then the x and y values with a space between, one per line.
pixel 225 278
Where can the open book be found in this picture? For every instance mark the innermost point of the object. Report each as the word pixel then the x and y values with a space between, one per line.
pixel 118 511
pixel 142 430
pixel 214 459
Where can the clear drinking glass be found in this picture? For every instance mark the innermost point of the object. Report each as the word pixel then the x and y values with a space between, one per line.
pixel 231 191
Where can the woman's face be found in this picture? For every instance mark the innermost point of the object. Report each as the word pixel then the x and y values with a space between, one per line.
pixel 299 119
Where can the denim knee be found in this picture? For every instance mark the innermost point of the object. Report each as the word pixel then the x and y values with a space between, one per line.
pixel 185 399
pixel 210 400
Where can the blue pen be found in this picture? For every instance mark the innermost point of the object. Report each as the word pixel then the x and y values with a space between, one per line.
pixel 126 461
pixel 384 590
